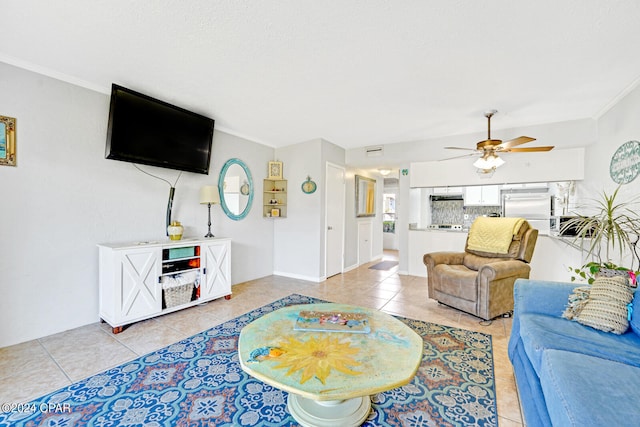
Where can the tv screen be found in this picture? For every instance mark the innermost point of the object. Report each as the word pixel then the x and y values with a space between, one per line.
pixel 148 131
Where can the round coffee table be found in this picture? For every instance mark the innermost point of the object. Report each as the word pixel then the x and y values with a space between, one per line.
pixel 330 358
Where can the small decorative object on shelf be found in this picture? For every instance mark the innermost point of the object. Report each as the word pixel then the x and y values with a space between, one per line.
pixel 274 194
pixel 309 186
pixel 175 230
pixel 275 170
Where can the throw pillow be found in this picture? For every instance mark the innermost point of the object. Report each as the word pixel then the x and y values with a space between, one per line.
pixel 577 300
pixel 603 306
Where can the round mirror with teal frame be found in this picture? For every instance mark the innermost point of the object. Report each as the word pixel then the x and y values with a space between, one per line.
pixel 233 181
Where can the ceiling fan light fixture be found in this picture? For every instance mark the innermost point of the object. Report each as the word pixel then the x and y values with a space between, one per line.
pixel 485 173
pixel 488 161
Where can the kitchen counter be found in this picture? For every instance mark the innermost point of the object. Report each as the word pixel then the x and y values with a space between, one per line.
pixel 552 257
pixel 441 230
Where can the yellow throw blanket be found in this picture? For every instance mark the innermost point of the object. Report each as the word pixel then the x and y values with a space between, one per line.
pixel 489 234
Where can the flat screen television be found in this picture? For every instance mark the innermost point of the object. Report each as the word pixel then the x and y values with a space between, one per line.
pixel 148 131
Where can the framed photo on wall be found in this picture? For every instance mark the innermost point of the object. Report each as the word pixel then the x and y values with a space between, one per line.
pixel 7 141
pixel 275 170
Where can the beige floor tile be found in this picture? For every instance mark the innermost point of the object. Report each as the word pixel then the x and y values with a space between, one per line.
pixel 507 400
pixel 505 422
pixel 41 378
pixel 190 321
pixel 22 358
pixel 85 351
pixel 150 335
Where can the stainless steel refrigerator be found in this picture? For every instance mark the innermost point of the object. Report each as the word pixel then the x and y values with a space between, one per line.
pixel 534 207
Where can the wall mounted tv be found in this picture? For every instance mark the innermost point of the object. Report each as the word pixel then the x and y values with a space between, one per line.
pixel 148 131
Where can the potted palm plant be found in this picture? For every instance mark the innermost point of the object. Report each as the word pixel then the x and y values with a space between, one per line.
pixel 611 229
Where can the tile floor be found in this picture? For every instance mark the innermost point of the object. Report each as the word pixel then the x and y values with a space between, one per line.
pixel 37 367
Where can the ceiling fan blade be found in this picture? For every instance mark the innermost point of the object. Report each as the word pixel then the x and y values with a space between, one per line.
pixel 516 141
pixel 458 157
pixel 460 148
pixel 530 149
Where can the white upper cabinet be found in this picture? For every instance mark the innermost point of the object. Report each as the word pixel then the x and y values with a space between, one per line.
pixel 447 190
pixel 482 195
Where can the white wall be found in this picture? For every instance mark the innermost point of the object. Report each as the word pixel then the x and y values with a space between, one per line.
pixel 299 242
pixel 297 237
pixel 252 237
pixel 64 197
pixel 572 134
pixel 556 165
pixel 619 125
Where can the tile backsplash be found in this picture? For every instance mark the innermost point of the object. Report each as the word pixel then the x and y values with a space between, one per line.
pixel 454 211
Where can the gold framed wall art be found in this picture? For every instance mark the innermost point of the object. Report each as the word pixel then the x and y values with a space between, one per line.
pixel 7 141
pixel 365 196
pixel 275 170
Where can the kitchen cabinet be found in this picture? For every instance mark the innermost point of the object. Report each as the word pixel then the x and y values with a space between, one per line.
pixel 447 190
pixel 482 195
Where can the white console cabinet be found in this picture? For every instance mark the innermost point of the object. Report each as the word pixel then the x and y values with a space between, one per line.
pixel 132 277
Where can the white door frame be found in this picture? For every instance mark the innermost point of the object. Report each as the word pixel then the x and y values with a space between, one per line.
pixel 342 220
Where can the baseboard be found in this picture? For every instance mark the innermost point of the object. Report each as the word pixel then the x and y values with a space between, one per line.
pixel 300 276
pixel 352 267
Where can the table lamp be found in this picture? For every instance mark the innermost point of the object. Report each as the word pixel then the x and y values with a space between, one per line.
pixel 209 196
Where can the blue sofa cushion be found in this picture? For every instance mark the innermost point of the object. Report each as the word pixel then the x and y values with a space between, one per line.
pixel 583 390
pixel 539 333
pixel 635 315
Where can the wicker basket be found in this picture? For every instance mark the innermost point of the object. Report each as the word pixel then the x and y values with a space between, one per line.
pixel 178 294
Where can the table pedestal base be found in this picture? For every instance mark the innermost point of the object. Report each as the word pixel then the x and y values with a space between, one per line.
pixel 332 413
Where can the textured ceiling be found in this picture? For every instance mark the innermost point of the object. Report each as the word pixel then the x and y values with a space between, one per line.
pixel 355 73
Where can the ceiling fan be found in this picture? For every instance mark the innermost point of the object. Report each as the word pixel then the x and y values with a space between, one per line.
pixel 489 149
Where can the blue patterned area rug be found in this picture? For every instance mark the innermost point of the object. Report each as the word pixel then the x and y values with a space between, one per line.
pixel 199 382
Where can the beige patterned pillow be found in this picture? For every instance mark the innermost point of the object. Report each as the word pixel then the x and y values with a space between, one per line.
pixel 603 306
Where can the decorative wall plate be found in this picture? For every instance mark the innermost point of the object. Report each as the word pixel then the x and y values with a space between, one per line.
pixel 625 163
pixel 309 186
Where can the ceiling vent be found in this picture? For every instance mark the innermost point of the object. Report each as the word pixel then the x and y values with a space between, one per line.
pixel 374 151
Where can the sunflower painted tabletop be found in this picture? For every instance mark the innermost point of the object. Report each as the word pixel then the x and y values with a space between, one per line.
pixel 372 351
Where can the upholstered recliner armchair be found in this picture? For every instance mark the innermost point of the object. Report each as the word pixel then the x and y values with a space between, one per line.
pixel 480 280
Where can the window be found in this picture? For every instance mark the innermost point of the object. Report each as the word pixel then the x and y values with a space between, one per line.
pixel 389 213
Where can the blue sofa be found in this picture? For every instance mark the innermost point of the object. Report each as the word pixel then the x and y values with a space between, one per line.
pixel 569 374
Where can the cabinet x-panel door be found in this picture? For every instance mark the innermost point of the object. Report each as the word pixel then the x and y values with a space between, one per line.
pixel 218 270
pixel 140 292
